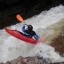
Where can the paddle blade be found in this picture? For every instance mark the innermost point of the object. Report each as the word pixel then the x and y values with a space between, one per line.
pixel 19 18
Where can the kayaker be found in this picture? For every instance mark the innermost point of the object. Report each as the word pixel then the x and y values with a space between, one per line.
pixel 28 31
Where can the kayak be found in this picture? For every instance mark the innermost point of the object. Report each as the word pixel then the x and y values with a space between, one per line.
pixel 20 36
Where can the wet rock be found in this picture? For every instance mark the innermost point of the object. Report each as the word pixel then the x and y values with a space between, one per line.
pixel 30 60
pixel 7 62
pixel 2 63
pixel 58 63
pixel 27 60
pixel 58 43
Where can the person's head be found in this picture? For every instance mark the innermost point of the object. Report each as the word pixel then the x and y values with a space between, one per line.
pixel 30 27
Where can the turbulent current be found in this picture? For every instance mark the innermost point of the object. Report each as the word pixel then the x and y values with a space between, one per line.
pixel 47 24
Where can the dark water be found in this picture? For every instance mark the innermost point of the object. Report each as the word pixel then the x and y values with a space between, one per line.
pixel 26 8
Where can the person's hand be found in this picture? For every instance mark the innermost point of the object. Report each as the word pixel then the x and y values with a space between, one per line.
pixel 41 39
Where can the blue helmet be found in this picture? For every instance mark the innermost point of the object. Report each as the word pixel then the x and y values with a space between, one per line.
pixel 30 27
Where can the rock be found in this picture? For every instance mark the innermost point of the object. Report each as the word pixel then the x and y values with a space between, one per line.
pixel 58 63
pixel 30 60
pixel 58 43
pixel 27 60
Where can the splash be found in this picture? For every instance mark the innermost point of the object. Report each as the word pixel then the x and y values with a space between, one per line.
pixel 47 52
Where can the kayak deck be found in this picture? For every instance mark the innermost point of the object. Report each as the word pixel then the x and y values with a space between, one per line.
pixel 20 36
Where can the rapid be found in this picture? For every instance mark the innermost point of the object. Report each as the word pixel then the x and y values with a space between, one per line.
pixel 47 24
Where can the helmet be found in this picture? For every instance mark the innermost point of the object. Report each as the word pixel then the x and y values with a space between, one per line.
pixel 30 27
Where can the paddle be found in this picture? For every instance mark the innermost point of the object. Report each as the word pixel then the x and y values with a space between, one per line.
pixel 19 17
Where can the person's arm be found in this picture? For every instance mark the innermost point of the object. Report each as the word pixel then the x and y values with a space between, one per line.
pixel 24 27
pixel 36 36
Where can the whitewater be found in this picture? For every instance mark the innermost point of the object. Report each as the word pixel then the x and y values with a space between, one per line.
pixel 46 24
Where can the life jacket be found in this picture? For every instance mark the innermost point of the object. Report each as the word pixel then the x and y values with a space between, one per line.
pixel 29 34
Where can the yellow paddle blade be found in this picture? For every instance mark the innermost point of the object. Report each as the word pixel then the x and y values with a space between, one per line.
pixel 19 18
